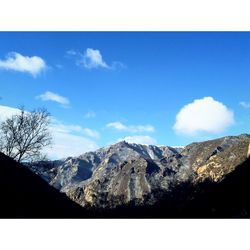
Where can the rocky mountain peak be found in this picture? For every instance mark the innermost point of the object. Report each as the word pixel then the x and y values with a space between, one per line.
pixel 128 172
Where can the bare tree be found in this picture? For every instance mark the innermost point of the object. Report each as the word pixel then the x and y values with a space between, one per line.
pixel 24 135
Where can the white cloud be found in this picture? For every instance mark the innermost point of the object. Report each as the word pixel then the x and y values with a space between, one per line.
pixel 7 112
pixel 203 115
pixel 66 144
pixel 69 128
pixel 91 133
pixel 90 114
pixel 92 58
pixel 14 61
pixel 132 129
pixel 245 105
pixel 139 139
pixel 117 126
pixel 50 96
pixel 71 52
pixel 68 140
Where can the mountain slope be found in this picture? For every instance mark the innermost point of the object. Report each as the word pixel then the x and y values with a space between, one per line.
pixel 25 195
pixel 226 199
pixel 127 174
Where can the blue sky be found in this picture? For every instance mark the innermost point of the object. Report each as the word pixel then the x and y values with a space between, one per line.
pixel 101 87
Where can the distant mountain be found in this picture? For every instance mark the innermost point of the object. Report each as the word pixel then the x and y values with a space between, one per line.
pixel 147 178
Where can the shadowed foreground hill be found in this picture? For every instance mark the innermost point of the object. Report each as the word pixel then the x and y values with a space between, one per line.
pixel 227 199
pixel 26 195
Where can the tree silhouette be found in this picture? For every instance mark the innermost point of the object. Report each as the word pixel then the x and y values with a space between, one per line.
pixel 24 135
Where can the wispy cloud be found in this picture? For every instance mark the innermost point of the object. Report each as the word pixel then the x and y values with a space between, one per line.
pixel 132 128
pixel 93 59
pixel 139 139
pixel 71 52
pixel 67 144
pixel 245 105
pixel 71 128
pixel 203 115
pixel 91 133
pixel 90 114
pixel 59 66
pixel 14 61
pixel 71 140
pixel 50 96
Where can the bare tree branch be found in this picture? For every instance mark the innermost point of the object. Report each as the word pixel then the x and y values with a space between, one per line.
pixel 23 136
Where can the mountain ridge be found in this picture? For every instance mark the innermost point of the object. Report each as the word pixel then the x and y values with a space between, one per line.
pixel 204 180
pixel 127 172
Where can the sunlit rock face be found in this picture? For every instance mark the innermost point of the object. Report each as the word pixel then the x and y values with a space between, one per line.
pixel 130 173
pixel 215 159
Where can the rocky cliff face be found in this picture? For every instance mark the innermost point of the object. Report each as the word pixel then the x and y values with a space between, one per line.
pixel 127 173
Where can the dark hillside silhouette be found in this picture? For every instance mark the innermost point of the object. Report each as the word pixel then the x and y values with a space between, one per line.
pixel 26 195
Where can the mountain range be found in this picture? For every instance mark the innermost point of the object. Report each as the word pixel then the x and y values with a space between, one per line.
pixel 205 179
